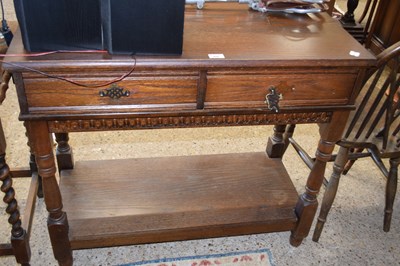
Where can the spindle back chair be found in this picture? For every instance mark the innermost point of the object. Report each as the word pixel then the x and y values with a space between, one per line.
pixel 373 131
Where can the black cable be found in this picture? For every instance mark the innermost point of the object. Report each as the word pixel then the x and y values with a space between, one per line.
pixel 5 30
pixel 2 9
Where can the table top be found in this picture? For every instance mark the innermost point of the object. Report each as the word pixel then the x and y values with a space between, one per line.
pixel 244 37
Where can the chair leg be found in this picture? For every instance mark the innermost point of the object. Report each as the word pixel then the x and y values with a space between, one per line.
pixel 391 188
pixel 350 163
pixel 330 191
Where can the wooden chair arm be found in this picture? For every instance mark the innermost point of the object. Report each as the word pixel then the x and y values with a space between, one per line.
pixel 388 54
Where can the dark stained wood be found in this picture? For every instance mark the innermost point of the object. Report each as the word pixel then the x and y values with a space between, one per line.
pixel 224 90
pixel 201 89
pixel 30 203
pixel 64 153
pixel 299 87
pixel 372 132
pixel 12 209
pixel 246 38
pixel 21 172
pixel 21 226
pixel 307 206
pixel 6 250
pixel 57 223
pixel 164 197
pixel 385 30
pixel 305 57
pixel 332 186
pixel 4 84
pixel 19 246
pixel 276 143
pixel 348 17
pixel 144 91
pixel 362 28
pixel 391 190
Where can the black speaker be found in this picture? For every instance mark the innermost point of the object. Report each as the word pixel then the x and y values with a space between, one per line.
pixel 143 26
pixel 59 24
pixel 119 26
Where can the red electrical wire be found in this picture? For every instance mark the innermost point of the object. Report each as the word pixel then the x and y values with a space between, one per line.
pixel 122 77
pixel 51 52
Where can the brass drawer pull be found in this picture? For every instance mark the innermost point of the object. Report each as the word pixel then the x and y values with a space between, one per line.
pixel 114 92
pixel 272 99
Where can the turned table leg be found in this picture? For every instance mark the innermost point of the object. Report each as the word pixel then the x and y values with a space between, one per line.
pixel 307 204
pixel 57 222
pixel 64 152
pixel 348 17
pixel 276 143
pixel 279 141
pixel 33 167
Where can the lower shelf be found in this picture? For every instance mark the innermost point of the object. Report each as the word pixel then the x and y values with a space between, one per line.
pixel 121 202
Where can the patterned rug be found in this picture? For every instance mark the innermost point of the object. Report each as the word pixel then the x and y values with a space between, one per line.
pixel 260 257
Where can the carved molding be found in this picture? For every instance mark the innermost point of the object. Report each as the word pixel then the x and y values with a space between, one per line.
pixel 59 126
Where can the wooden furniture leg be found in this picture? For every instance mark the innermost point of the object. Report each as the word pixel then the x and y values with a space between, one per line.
pixel 19 237
pixel 348 17
pixel 307 204
pixel 64 152
pixel 276 143
pixel 331 190
pixel 57 222
pixel 20 232
pixel 350 163
pixel 5 79
pixel 33 169
pixel 391 188
pixel 331 5
pixel 288 134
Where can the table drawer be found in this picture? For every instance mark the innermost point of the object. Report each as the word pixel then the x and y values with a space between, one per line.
pixel 143 92
pixel 244 90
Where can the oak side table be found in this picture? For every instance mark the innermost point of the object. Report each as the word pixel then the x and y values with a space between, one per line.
pixel 238 68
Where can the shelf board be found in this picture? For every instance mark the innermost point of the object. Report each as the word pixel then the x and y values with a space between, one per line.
pixel 131 201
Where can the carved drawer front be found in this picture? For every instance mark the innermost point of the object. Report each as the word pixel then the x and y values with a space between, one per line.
pixel 304 89
pixel 136 92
